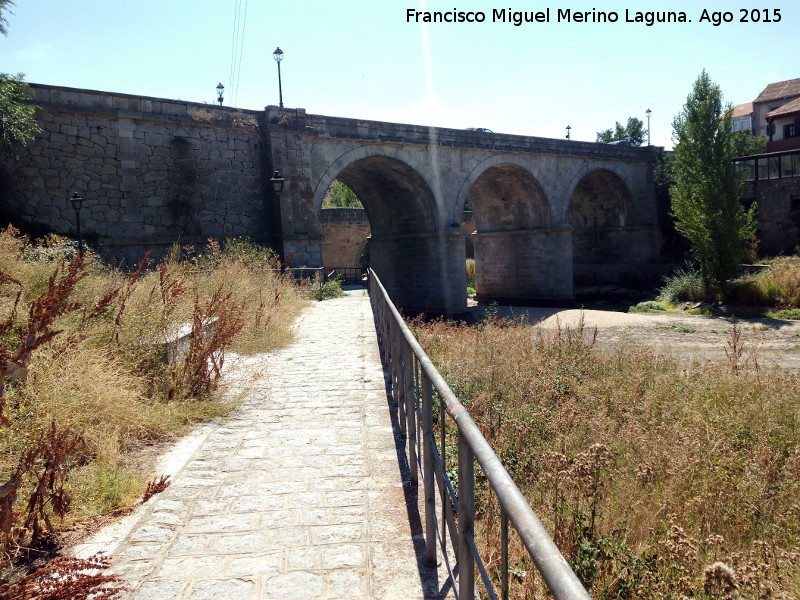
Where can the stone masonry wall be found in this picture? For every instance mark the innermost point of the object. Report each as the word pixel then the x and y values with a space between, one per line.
pixel 345 231
pixel 778 213
pixel 151 171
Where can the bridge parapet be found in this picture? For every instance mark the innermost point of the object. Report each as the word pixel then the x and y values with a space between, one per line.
pixel 386 132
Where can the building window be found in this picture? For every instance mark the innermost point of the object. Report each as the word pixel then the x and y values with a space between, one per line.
pixel 791 130
pixel 741 124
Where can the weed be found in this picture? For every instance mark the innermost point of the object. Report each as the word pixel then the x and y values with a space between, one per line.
pixel 787 314
pixel 332 288
pixel 685 285
pixel 679 328
pixel 648 306
pixel 66 577
pixel 155 486
pixel 82 380
pixel 644 471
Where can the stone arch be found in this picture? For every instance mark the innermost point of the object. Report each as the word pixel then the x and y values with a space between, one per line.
pixel 586 175
pixel 506 197
pixel 516 168
pixel 414 258
pixel 386 184
pixel 517 253
pixel 600 199
pixel 604 232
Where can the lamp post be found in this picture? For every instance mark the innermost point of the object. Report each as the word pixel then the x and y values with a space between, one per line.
pixel 278 56
pixel 277 186
pixel 220 92
pixel 568 129
pixel 648 112
pixel 77 200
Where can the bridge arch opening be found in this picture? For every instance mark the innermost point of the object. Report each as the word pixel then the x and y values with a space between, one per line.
pixel 345 231
pixel 603 232
pixel 513 236
pixel 406 247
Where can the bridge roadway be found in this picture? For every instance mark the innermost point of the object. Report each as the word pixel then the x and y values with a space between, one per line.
pixel 300 493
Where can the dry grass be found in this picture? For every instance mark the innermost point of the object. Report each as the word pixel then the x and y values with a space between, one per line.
pixel 645 472
pixel 82 348
pixel 776 287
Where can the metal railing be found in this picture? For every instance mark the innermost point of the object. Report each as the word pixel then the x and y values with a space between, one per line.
pixel 414 380
pixel 348 275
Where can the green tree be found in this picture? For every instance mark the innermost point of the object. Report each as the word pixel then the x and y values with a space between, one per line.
pixel 340 196
pixel 4 4
pixel 747 144
pixel 17 124
pixel 634 132
pixel 707 187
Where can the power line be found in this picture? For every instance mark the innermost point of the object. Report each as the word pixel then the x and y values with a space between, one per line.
pixel 243 21
pixel 237 4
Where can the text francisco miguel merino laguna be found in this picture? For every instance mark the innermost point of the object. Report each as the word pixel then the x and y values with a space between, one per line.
pixel 566 15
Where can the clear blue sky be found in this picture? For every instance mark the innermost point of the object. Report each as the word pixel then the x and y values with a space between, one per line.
pixel 361 59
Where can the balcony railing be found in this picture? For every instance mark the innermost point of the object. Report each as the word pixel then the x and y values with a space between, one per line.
pixel 775 165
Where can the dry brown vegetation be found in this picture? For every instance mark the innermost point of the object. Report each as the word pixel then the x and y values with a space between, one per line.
pixel 86 376
pixel 654 479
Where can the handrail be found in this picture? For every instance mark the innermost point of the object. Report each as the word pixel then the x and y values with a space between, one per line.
pixel 413 378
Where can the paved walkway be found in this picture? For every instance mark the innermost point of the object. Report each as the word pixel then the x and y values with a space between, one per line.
pixel 297 495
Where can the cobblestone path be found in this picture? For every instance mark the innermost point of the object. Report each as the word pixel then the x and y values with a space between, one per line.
pixel 296 495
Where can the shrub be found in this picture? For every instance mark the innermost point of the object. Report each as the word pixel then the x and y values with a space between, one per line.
pixel 685 285
pixel 332 289
pixel 781 282
pixel 648 306
pixel 82 375
pixel 471 277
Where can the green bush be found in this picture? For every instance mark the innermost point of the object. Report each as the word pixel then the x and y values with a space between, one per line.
pixel 685 285
pixel 332 289
pixel 648 306
pixel 788 314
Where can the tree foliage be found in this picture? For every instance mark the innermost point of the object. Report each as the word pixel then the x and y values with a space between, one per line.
pixel 633 132
pixel 340 196
pixel 17 124
pixel 747 144
pixel 707 187
pixel 4 4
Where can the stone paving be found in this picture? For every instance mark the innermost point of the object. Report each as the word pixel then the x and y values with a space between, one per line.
pixel 299 494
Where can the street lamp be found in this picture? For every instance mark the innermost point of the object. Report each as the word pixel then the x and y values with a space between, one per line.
pixel 277 183
pixel 77 200
pixel 278 56
pixel 568 128
pixel 648 112
pixel 220 91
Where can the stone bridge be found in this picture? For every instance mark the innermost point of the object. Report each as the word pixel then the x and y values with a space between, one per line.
pixel 549 214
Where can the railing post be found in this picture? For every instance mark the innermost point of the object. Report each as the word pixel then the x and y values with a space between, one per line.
pixel 411 411
pixel 466 519
pixel 504 553
pixel 397 381
pixel 428 471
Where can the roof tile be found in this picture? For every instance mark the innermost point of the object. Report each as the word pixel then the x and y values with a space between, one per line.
pixel 779 90
pixel 786 109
